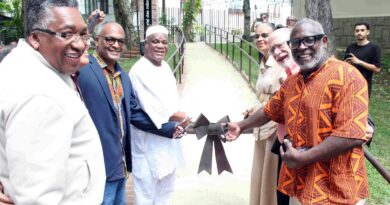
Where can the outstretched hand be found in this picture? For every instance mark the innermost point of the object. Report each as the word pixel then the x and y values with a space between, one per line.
pixel 233 132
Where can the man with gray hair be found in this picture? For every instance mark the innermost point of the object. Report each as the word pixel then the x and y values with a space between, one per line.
pixel 109 98
pixel 324 108
pixel 50 152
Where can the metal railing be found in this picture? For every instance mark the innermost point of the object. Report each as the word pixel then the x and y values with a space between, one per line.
pixel 176 60
pixel 241 53
pixel 227 44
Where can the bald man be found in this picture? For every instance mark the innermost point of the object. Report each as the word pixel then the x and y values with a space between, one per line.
pixel 109 98
pixel 324 108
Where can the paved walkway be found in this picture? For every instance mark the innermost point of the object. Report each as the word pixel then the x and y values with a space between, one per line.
pixel 212 86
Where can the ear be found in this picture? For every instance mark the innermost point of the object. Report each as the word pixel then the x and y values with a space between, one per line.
pixel 325 41
pixel 368 32
pixel 34 40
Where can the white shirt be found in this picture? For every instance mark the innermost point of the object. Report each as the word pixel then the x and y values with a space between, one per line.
pixel 155 89
pixel 50 152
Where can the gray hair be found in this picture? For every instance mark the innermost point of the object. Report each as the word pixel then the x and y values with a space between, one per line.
pixel 315 24
pixel 266 24
pixel 102 25
pixel 38 13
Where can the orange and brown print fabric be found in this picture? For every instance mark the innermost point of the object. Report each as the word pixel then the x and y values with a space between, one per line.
pixel 332 102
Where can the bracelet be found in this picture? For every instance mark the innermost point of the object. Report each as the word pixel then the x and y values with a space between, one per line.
pixel 184 119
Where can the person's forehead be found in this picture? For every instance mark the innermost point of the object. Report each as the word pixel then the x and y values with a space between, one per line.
pixel 66 17
pixel 277 39
pixel 160 36
pixel 114 30
pixel 304 29
pixel 263 28
pixel 361 27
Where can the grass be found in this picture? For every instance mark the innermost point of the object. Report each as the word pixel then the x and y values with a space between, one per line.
pixel 380 146
pixel 379 109
pixel 248 64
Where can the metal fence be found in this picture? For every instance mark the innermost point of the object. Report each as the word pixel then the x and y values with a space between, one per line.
pixel 231 20
pixel 241 53
pixel 176 60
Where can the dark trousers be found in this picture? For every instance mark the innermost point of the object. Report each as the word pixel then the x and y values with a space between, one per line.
pixel 282 199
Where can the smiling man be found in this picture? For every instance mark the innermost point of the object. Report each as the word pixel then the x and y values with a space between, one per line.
pixel 324 108
pixel 155 157
pixel 108 95
pixel 50 152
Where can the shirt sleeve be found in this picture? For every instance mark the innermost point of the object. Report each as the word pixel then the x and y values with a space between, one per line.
pixel 377 57
pixel 347 51
pixel 141 120
pixel 351 109
pixel 274 108
pixel 38 140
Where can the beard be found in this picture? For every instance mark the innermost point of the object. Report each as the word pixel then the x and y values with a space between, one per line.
pixel 318 58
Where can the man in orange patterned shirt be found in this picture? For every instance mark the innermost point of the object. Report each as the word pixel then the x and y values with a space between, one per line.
pixel 324 108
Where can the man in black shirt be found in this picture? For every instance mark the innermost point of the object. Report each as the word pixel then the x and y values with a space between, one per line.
pixel 363 54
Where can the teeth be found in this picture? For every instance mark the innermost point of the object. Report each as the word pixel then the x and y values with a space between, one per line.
pixel 73 55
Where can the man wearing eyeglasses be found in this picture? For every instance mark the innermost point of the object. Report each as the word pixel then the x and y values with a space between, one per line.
pixel 50 152
pixel 324 108
pixel 291 21
pixel 109 97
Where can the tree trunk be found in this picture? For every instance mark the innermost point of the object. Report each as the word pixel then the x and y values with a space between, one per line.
pixel 187 27
pixel 247 20
pixel 321 11
pixel 124 11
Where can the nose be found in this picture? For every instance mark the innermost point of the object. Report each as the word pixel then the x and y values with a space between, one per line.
pixel 79 44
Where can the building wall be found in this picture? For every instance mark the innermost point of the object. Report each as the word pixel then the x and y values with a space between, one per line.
pixel 345 15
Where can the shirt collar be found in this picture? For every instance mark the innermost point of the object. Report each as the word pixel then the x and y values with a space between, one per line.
pixel 99 59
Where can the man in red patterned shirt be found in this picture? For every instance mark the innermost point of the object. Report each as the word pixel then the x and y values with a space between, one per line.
pixel 325 110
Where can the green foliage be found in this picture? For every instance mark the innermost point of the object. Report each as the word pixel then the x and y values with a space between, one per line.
pixel 190 16
pixel 386 64
pixel 165 21
pixel 12 29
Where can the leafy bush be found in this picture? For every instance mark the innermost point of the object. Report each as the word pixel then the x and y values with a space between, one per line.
pixel 12 29
pixel 386 63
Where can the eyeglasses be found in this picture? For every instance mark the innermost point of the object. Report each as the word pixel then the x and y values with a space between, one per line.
pixel 263 35
pixel 293 20
pixel 111 40
pixel 69 37
pixel 308 41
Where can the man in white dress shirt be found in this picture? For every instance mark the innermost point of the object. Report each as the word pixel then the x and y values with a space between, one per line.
pixel 50 152
pixel 155 158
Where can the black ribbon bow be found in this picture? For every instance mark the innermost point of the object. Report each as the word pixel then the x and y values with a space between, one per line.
pixel 215 134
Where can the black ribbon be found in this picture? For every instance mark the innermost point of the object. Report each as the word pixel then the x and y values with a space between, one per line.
pixel 215 134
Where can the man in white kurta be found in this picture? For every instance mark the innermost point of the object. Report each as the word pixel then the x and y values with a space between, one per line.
pixel 155 158
pixel 50 152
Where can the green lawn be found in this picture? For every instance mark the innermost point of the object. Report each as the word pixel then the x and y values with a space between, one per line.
pixel 379 109
pixel 380 147
pixel 248 64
